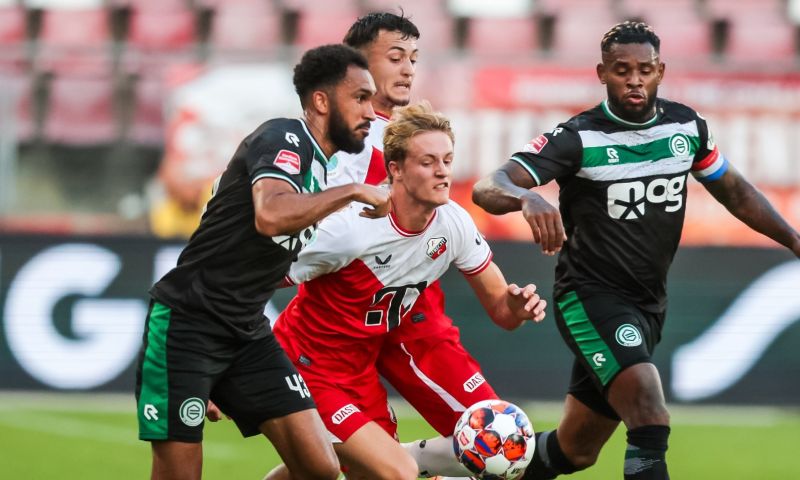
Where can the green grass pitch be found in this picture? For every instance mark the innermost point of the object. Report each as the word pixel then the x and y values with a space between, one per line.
pixel 91 437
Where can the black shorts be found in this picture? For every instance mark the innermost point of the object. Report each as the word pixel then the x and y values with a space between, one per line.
pixel 607 334
pixel 180 368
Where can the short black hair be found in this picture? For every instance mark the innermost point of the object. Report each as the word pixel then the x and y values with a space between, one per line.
pixel 366 29
pixel 323 67
pixel 630 31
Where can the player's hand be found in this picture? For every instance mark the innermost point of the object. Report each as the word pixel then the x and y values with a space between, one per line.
pixel 377 197
pixel 526 302
pixel 213 413
pixel 545 222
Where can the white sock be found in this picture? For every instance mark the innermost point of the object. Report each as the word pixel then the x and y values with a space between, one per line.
pixel 435 456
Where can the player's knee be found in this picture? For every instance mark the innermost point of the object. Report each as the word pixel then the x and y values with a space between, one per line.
pixel 404 468
pixel 324 468
pixel 583 460
pixel 647 413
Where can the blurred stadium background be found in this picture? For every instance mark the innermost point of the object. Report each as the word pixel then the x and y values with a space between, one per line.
pixel 116 115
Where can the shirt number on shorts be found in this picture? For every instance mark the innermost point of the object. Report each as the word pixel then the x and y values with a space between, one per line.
pixel 297 384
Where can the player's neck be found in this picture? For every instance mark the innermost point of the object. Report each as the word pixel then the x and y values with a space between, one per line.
pixel 317 128
pixel 383 108
pixel 410 214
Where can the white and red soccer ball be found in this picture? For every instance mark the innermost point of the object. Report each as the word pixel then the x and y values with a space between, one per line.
pixel 494 439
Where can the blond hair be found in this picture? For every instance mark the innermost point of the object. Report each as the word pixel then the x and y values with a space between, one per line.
pixel 407 122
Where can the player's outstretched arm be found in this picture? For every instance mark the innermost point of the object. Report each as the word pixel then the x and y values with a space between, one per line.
pixel 750 206
pixel 280 210
pixel 508 190
pixel 507 305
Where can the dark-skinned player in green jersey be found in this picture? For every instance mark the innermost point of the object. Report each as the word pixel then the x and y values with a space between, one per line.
pixel 622 170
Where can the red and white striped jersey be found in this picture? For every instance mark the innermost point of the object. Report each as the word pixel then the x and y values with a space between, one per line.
pixel 360 277
pixel 363 167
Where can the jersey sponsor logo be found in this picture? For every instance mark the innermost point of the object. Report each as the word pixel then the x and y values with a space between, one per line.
pixel 292 138
pixel 536 145
pixel 474 382
pixel 192 411
pixel 628 336
pixel 150 412
pixel 679 145
pixel 343 413
pixel 288 161
pixel 627 200
pixel 613 155
pixel 295 243
pixel 436 247
pixel 401 299
pixel 383 262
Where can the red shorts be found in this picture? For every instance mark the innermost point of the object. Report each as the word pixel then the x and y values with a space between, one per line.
pixel 346 400
pixel 436 375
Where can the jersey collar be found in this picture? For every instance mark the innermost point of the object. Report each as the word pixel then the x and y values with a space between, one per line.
pixel 615 118
pixel 382 115
pixel 408 233
pixel 317 148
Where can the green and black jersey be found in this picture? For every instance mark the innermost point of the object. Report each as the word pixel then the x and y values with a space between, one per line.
pixel 228 271
pixel 622 195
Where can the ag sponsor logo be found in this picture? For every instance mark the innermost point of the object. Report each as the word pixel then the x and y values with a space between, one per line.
pixel 628 200
pixel 295 243
pixel 628 336
pixel 288 161
pixel 536 145
pixel 474 382
pixel 192 411
pixel 343 413
pixel 436 247
pixel 679 145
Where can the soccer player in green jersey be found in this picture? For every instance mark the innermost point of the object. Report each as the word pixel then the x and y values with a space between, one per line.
pixel 622 168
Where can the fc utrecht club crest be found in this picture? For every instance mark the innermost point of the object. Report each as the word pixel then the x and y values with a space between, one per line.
pixel 536 145
pixel 436 247
pixel 288 161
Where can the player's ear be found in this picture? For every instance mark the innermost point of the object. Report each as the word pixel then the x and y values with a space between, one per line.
pixel 394 170
pixel 320 101
pixel 601 73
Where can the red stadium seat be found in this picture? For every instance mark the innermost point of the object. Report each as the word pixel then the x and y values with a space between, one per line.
pixel 499 37
pixel 161 30
pixel 12 26
pixel 80 110
pixel 436 30
pixel 147 122
pixel 328 6
pixel 762 42
pixel 241 29
pixel 74 40
pixel 578 32
pixel 13 57
pixel 317 27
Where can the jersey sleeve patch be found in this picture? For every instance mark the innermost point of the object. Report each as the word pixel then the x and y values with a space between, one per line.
pixel 711 168
pixel 536 145
pixel 288 161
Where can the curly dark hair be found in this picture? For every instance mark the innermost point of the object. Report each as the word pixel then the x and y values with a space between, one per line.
pixel 630 31
pixel 323 67
pixel 367 27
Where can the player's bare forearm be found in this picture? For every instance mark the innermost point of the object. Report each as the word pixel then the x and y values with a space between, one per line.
pixel 750 206
pixel 280 210
pixel 501 191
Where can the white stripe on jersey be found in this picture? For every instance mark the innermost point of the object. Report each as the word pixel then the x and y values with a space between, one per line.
pixel 592 138
pixel 664 166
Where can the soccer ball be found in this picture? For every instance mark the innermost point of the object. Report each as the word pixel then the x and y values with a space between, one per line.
pixel 494 439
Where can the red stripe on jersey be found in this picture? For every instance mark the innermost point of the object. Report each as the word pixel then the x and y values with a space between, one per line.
pixel 408 233
pixel 382 115
pixel 480 267
pixel 706 162
pixel 376 172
